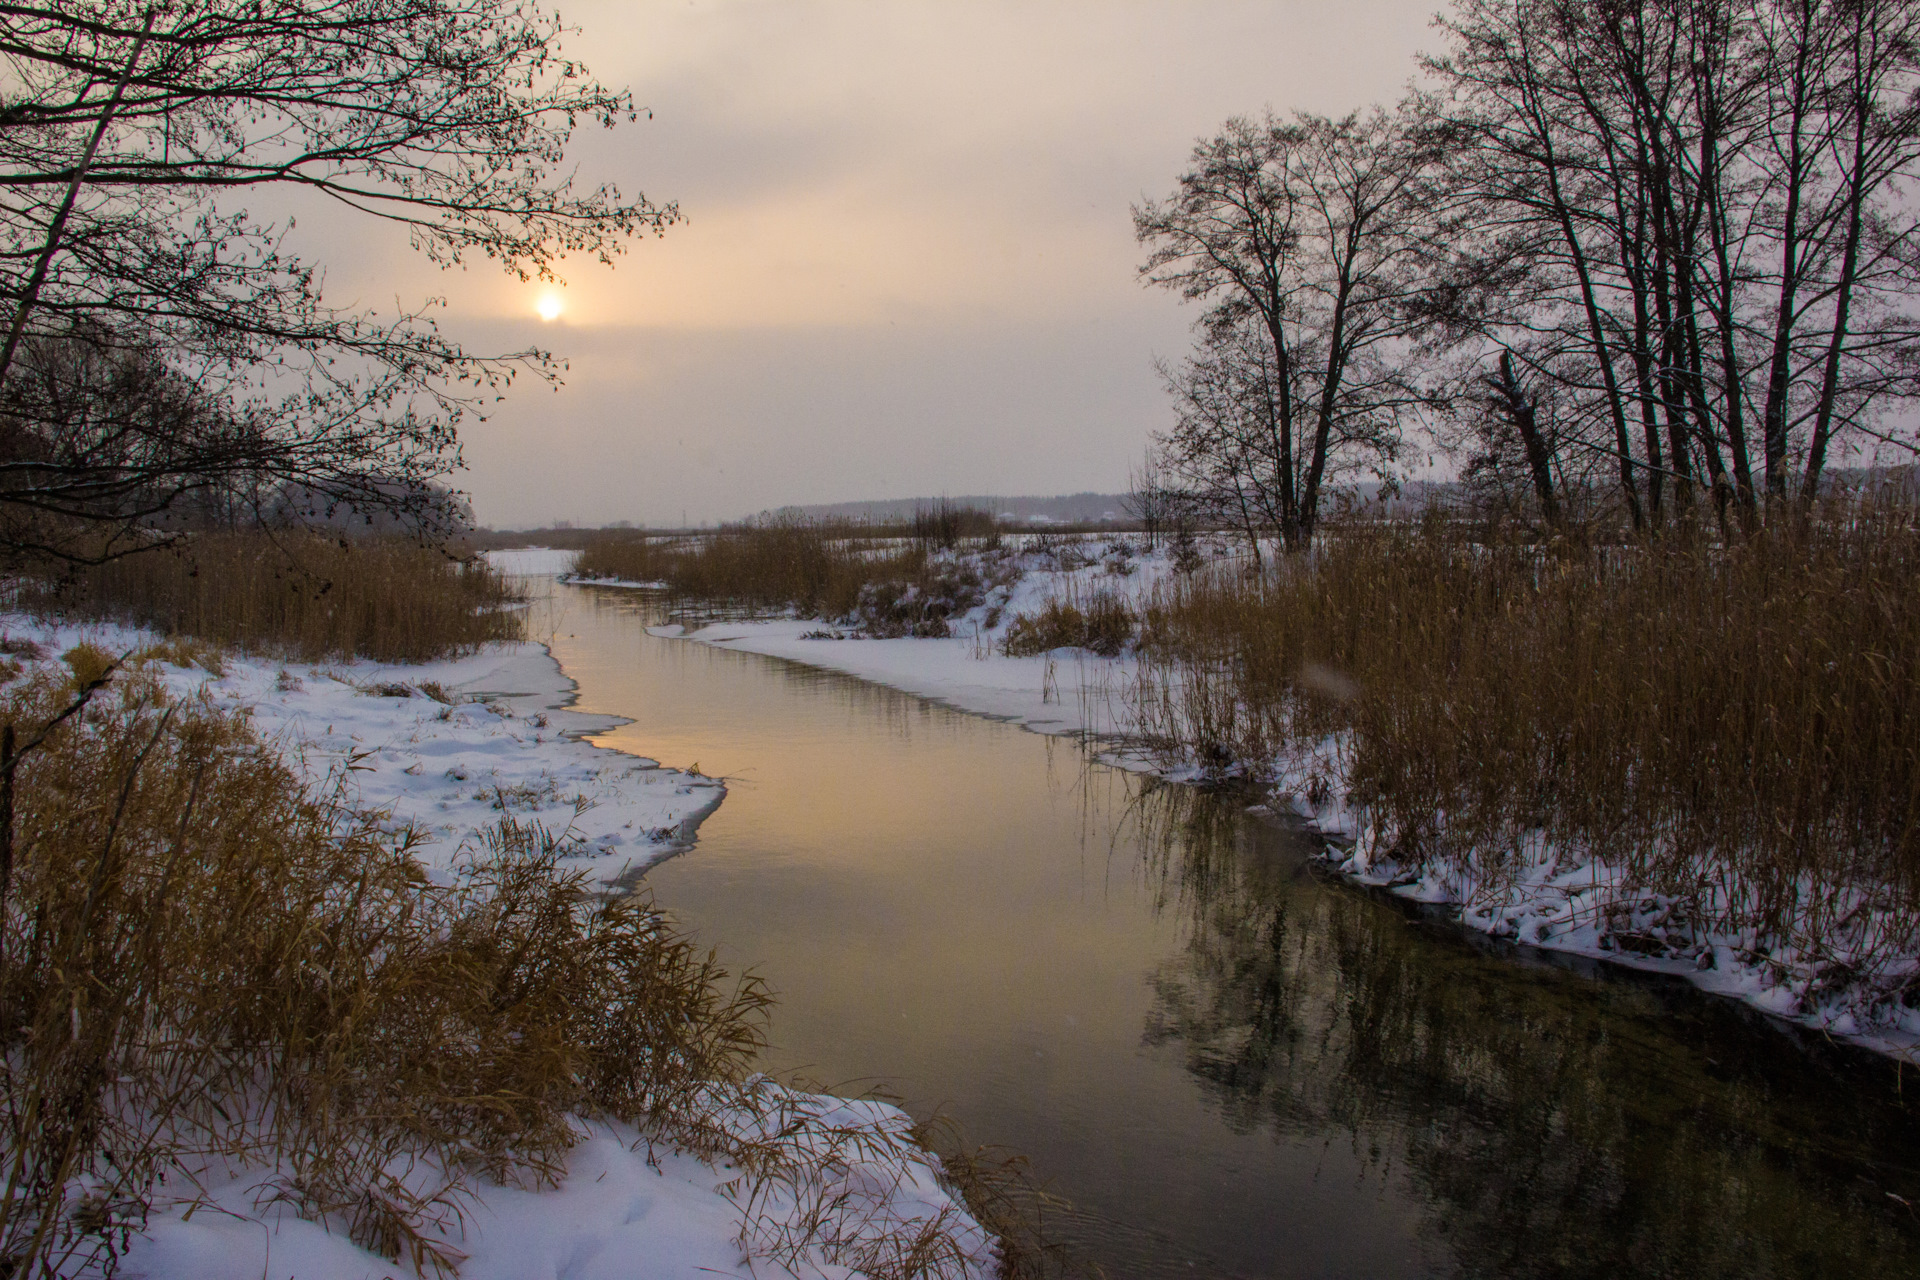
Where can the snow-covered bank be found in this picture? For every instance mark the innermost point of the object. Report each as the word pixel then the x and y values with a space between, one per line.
pixel 1564 900
pixel 446 747
pixel 449 748
pixel 1067 691
pixel 855 1196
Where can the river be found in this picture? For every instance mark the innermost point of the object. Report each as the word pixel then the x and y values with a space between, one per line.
pixel 1228 1065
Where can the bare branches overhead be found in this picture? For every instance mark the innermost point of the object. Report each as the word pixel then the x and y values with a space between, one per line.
pixel 138 141
pixel 1669 247
pixel 1691 213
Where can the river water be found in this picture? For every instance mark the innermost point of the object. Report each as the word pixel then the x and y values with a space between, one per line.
pixel 1227 1065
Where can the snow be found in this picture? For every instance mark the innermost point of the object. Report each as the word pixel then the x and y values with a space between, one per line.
pixel 626 1209
pixel 852 1184
pixel 533 561
pixel 1068 691
pixel 505 743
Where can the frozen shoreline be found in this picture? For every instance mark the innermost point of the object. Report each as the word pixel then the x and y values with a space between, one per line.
pixel 505 740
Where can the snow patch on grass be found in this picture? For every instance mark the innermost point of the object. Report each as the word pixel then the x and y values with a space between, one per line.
pixel 840 1189
pixel 446 747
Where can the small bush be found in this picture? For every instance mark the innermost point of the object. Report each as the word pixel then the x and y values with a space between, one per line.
pixel 922 605
pixel 297 595
pixel 942 526
pixel 1101 623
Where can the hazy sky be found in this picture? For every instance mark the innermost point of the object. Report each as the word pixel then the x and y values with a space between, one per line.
pixel 908 264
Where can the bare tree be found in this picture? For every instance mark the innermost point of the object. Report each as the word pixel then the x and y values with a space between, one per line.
pixel 1223 451
pixel 1305 236
pixel 133 137
pixel 1151 497
pixel 1690 215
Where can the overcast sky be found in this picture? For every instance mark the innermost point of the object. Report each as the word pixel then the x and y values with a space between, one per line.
pixel 907 265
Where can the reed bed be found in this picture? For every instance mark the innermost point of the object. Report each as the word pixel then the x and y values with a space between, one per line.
pixel 1732 726
pixel 299 595
pixel 886 581
pixel 945 525
pixel 203 964
pixel 816 567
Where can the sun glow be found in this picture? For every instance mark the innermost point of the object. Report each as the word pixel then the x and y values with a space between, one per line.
pixel 550 306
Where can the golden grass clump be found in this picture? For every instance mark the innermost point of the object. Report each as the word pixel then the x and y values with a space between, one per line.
pixel 1100 621
pixel 817 567
pixel 203 965
pixel 887 582
pixel 300 595
pixel 1733 724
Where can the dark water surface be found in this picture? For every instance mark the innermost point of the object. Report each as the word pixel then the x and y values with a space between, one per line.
pixel 1229 1066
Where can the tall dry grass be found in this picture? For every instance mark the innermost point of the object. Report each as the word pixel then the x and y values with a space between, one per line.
pixel 308 597
pixel 202 963
pixel 205 967
pixel 866 576
pixel 1734 725
pixel 1098 620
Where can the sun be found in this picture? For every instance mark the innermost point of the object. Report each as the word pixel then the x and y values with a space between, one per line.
pixel 550 306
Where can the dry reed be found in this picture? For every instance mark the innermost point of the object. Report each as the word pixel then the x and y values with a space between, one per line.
pixel 870 577
pixel 298 595
pixel 1096 620
pixel 203 964
pixel 816 567
pixel 1730 725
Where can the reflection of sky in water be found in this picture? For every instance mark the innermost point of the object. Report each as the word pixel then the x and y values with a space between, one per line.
pixel 1228 1067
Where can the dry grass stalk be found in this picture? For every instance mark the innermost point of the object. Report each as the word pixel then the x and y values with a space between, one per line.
pixel 1732 725
pixel 201 965
pixel 307 597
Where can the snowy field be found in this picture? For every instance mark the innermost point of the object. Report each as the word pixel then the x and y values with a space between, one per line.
pixel 448 747
pixel 1562 901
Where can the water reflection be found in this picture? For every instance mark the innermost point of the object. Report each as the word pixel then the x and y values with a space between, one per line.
pixel 1551 1125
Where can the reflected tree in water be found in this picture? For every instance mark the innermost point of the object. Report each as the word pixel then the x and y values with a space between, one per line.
pixel 1553 1125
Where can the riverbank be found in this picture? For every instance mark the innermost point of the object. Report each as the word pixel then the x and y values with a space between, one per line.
pixel 1552 897
pixel 1119 978
pixel 448 749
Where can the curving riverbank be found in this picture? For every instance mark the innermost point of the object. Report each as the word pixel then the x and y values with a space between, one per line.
pixel 1228 1062
pixel 447 750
